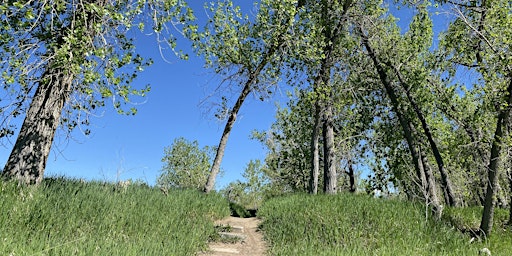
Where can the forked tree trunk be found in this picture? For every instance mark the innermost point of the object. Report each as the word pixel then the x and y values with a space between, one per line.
pixel 331 33
pixel 493 169
pixel 27 160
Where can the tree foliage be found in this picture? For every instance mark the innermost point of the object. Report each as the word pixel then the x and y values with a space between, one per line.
pixel 247 53
pixel 426 117
pixel 87 39
pixel 250 192
pixel 186 165
pixel 63 60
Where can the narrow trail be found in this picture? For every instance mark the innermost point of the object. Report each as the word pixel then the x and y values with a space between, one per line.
pixel 251 245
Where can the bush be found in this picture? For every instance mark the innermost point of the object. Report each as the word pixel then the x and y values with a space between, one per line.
pixel 240 211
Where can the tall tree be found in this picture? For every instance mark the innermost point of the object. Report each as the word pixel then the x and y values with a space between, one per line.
pixel 325 23
pixel 479 39
pixel 421 165
pixel 246 52
pixel 412 76
pixel 62 58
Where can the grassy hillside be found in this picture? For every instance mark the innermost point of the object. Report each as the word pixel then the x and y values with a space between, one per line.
pixel 359 225
pixel 68 217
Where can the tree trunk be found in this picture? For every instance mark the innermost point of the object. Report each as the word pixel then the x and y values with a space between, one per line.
pixel 509 177
pixel 27 160
pixel 407 127
pixel 352 177
pixel 446 183
pixel 315 152
pixel 420 164
pixel 331 33
pixel 214 171
pixel 330 177
pixel 437 208
pixel 492 185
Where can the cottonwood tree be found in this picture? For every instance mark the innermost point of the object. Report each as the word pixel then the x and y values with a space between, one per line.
pixel 186 165
pixel 388 77
pixel 247 53
pixel 287 163
pixel 467 135
pixel 412 76
pixel 324 23
pixel 61 59
pixel 479 39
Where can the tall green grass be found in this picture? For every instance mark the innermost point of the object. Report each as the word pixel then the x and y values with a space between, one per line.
pixel 69 217
pixel 360 225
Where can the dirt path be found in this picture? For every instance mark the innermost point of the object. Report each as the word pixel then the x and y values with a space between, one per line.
pixel 252 245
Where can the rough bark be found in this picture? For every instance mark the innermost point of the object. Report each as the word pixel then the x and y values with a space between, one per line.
pixel 330 174
pixel 315 152
pixel 449 194
pixel 27 160
pixel 493 168
pixel 248 87
pixel 407 128
pixel 214 171
pixel 331 34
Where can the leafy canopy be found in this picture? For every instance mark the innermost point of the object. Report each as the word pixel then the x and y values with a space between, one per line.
pixel 186 165
pixel 90 41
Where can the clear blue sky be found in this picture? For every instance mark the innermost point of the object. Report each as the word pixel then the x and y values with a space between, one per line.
pixel 123 147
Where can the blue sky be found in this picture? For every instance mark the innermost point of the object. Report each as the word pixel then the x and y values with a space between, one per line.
pixel 123 147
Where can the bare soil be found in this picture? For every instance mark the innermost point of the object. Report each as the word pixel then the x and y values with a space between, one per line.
pixel 252 245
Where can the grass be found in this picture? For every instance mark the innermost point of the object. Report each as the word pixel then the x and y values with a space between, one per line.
pixel 69 217
pixel 360 225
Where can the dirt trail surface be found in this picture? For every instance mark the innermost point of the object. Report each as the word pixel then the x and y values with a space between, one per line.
pixel 252 244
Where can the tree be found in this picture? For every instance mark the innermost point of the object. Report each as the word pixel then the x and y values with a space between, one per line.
pixel 288 159
pixel 324 23
pixel 247 53
pixel 251 192
pixel 61 59
pixel 185 165
pixel 404 75
pixel 479 40
pixel 418 159
pixel 412 77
